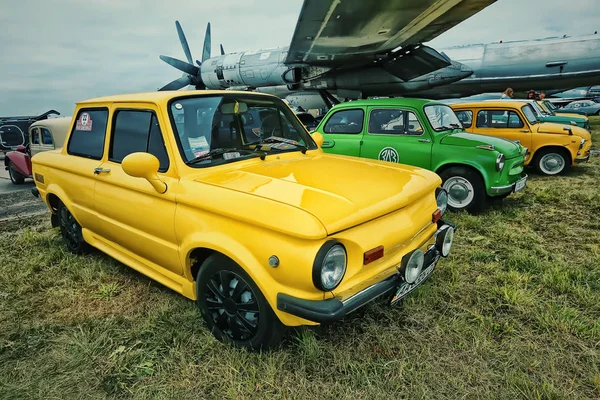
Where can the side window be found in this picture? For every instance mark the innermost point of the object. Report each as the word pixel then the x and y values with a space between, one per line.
pixel 345 121
pixel 514 121
pixel 414 126
pixel 482 121
pixel 387 121
pixel 137 131
pixel 46 136
pixel 35 136
pixel 466 117
pixel 87 138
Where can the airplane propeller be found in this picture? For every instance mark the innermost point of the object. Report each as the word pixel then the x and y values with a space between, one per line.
pixel 191 73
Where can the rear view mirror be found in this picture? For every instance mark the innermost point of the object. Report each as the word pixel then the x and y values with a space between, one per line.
pixel 144 165
pixel 318 138
pixel 234 108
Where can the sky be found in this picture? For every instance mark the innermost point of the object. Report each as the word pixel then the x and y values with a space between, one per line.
pixel 55 53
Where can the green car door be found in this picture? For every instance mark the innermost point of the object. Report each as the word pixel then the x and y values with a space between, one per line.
pixel 343 131
pixel 396 135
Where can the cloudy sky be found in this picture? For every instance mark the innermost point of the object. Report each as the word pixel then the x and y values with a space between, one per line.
pixel 54 53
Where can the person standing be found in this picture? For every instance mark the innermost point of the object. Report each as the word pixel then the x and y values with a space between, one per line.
pixel 507 94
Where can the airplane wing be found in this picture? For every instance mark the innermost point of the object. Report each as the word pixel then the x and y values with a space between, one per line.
pixel 356 33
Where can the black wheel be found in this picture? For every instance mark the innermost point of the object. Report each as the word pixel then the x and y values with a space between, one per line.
pixel 551 161
pixel 233 307
pixel 466 190
pixel 15 177
pixel 71 231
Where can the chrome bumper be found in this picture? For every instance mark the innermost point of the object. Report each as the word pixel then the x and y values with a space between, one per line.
pixel 499 190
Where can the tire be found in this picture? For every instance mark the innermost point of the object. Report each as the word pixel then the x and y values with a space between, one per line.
pixel 466 190
pixel 240 316
pixel 551 161
pixel 15 177
pixel 71 231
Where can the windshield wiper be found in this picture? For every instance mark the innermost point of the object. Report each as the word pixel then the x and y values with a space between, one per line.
pixel 446 128
pixel 220 151
pixel 275 139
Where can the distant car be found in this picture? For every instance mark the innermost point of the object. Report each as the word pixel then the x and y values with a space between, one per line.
pixel 552 147
pixel 43 135
pixel 552 109
pixel 13 130
pixel 261 228
pixel 588 106
pixel 427 134
pixel 546 116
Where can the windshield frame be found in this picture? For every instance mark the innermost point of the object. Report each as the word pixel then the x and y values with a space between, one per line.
pixel 276 102
pixel 525 114
pixel 460 125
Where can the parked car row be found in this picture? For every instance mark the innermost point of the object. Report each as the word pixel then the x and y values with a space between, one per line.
pixel 227 199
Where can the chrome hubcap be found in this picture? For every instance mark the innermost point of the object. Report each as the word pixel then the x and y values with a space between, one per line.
pixel 552 163
pixel 460 191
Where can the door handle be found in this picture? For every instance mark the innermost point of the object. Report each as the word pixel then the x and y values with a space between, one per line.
pixel 328 143
pixel 424 140
pixel 524 130
pixel 98 171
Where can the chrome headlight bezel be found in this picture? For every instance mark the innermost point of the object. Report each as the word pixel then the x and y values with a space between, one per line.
pixel 441 199
pixel 444 241
pixel 582 143
pixel 412 265
pixel 500 162
pixel 325 253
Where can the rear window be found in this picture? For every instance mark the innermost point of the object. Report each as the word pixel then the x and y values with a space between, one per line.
pixel 89 132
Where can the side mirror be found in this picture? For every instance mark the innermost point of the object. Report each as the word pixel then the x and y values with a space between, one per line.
pixel 144 165
pixel 317 137
pixel 21 148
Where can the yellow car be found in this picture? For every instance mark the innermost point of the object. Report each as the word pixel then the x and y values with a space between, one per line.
pixel 226 198
pixel 551 147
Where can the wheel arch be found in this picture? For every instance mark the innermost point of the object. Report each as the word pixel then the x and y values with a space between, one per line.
pixel 444 167
pixel 562 149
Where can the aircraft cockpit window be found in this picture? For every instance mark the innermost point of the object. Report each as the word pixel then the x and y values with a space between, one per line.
pixel 345 121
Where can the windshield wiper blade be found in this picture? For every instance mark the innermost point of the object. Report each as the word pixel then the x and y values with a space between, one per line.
pixel 282 140
pixel 219 151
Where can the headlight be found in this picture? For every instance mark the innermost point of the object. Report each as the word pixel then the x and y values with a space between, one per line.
pixel 441 198
pixel 329 266
pixel 581 144
pixel 412 264
pixel 500 162
pixel 443 242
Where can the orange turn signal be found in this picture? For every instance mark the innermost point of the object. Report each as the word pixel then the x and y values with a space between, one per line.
pixel 372 255
pixel 437 214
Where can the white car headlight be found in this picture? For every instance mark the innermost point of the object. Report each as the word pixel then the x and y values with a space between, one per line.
pixel 412 265
pixel 500 162
pixel 329 266
pixel 443 242
pixel 441 198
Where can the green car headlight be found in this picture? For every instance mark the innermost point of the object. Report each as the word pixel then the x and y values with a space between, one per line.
pixel 499 162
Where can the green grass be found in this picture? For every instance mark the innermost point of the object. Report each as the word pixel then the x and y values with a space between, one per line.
pixel 514 312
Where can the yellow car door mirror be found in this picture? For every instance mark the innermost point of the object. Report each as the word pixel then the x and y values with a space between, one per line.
pixel 144 165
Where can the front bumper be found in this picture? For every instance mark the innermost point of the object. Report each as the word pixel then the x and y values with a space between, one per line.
pixel 333 309
pixel 515 187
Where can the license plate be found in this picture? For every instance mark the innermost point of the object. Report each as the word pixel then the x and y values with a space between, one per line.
pixel 405 288
pixel 520 185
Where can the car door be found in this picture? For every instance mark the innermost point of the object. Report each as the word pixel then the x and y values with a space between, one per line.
pixel 133 216
pixel 503 123
pixel 343 131
pixel 85 150
pixel 396 135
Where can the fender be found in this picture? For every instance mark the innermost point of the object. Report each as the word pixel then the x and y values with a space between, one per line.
pixel 566 146
pixel 20 161
pixel 229 247
pixel 468 163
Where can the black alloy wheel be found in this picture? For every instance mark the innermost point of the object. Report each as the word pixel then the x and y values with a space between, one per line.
pixel 233 307
pixel 71 231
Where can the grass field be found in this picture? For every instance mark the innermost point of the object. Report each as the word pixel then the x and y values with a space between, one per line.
pixel 514 312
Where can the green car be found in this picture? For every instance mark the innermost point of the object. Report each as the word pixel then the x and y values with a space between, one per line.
pixel 544 116
pixel 427 134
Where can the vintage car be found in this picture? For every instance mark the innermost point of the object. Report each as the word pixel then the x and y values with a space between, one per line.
pixel 551 109
pixel 552 147
pixel 427 134
pixel 43 135
pixel 13 129
pixel 589 107
pixel 262 229
pixel 544 116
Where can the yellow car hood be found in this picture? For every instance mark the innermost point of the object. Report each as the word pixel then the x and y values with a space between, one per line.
pixel 340 191
pixel 549 127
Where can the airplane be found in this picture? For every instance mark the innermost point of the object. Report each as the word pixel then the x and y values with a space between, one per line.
pixel 550 65
pixel 353 47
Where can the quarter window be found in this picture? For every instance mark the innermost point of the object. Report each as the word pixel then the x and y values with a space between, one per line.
pixel 46 136
pixel 89 132
pixel 345 121
pixel 466 117
pixel 137 131
pixel 501 119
